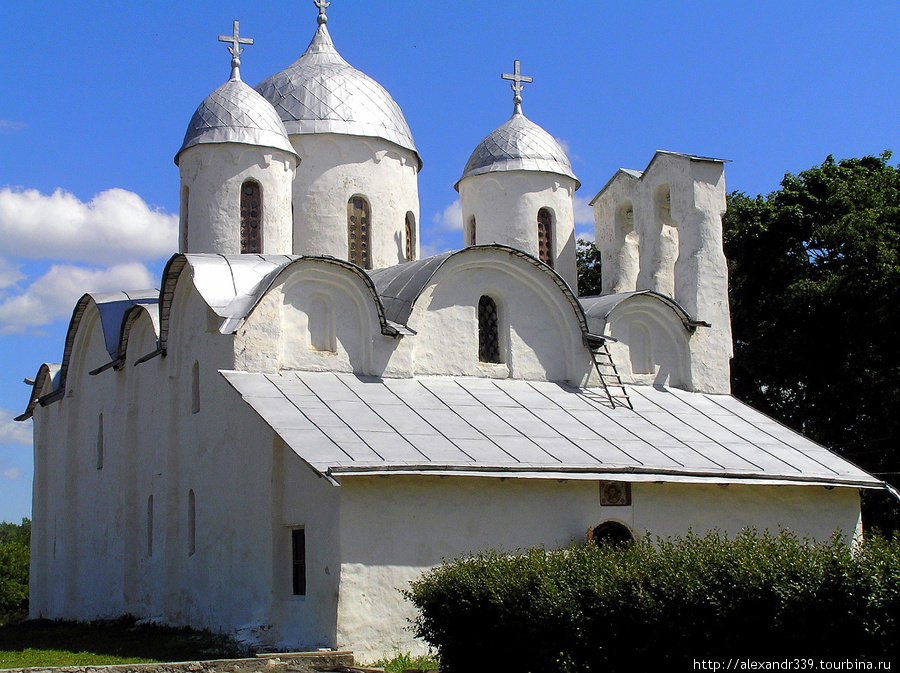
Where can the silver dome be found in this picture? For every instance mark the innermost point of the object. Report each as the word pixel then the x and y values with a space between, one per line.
pixel 235 113
pixel 322 93
pixel 518 145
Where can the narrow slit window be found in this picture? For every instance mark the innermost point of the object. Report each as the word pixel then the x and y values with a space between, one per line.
pixel 488 330
pixel 185 199
pixel 195 388
pixel 545 237
pixel 251 217
pixel 472 230
pixel 100 442
pixel 298 561
pixel 150 526
pixel 358 230
pixel 192 523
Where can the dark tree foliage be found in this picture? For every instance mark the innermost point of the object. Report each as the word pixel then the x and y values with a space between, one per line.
pixel 15 543
pixel 815 284
pixel 587 257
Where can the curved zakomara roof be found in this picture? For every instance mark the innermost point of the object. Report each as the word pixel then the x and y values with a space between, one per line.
pixel 600 307
pixel 47 372
pixel 113 308
pixel 400 286
pixel 232 285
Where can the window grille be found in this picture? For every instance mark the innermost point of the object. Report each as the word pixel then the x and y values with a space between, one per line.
pixel 488 330
pixel 545 237
pixel 251 217
pixel 358 232
pixel 410 238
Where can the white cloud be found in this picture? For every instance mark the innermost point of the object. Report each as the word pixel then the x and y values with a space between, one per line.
pixel 585 234
pixel 52 296
pixel 8 125
pixel 451 219
pixel 13 473
pixel 14 432
pixel 567 148
pixel 584 212
pixel 115 225
pixel 10 273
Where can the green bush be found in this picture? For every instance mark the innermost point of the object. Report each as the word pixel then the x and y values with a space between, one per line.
pixel 590 608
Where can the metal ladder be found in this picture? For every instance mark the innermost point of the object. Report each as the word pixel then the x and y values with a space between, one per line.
pixel 609 375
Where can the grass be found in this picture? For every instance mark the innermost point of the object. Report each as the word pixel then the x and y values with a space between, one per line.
pixel 405 662
pixel 120 641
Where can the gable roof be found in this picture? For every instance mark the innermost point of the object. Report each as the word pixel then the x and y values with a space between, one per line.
pixel 343 424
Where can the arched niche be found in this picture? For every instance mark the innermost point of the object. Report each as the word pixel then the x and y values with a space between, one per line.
pixel 652 345
pixel 328 319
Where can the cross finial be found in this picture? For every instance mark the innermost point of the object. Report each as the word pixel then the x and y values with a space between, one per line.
pixel 235 49
pixel 322 5
pixel 517 81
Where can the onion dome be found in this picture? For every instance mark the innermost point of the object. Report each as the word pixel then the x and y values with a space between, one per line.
pixel 235 113
pixel 518 145
pixel 322 93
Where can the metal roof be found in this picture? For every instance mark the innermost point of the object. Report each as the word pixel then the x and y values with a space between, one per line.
pixel 235 113
pixel 518 145
pixel 346 424
pixel 322 93
pixel 598 308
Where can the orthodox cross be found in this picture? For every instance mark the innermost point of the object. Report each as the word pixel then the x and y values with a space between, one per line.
pixel 517 81
pixel 236 41
pixel 322 5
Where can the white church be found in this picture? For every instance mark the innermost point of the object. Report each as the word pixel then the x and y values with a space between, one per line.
pixel 306 415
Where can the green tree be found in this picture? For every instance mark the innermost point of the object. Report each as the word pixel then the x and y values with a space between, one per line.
pixel 814 290
pixel 587 258
pixel 14 561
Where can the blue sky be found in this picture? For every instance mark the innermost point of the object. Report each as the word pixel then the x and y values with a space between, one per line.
pixel 94 103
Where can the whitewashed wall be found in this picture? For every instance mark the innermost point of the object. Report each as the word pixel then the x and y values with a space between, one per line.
pixel 505 206
pixel 422 520
pixel 213 175
pixel 333 169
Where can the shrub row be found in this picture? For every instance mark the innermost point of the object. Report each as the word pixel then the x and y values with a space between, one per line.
pixel 590 608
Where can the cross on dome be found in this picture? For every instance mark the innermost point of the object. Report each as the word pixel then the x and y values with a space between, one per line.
pixel 235 49
pixel 517 81
pixel 322 5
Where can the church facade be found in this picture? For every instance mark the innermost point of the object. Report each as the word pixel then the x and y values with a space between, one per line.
pixel 306 415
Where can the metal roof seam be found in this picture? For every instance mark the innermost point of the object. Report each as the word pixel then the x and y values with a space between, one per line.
pixel 578 420
pixel 682 421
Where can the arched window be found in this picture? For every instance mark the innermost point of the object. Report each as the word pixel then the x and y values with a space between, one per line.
pixel 195 388
pixel 358 232
pixel 251 217
pixel 472 230
pixel 488 330
pixel 185 197
pixel 192 523
pixel 611 533
pixel 545 236
pixel 410 237
pixel 100 442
